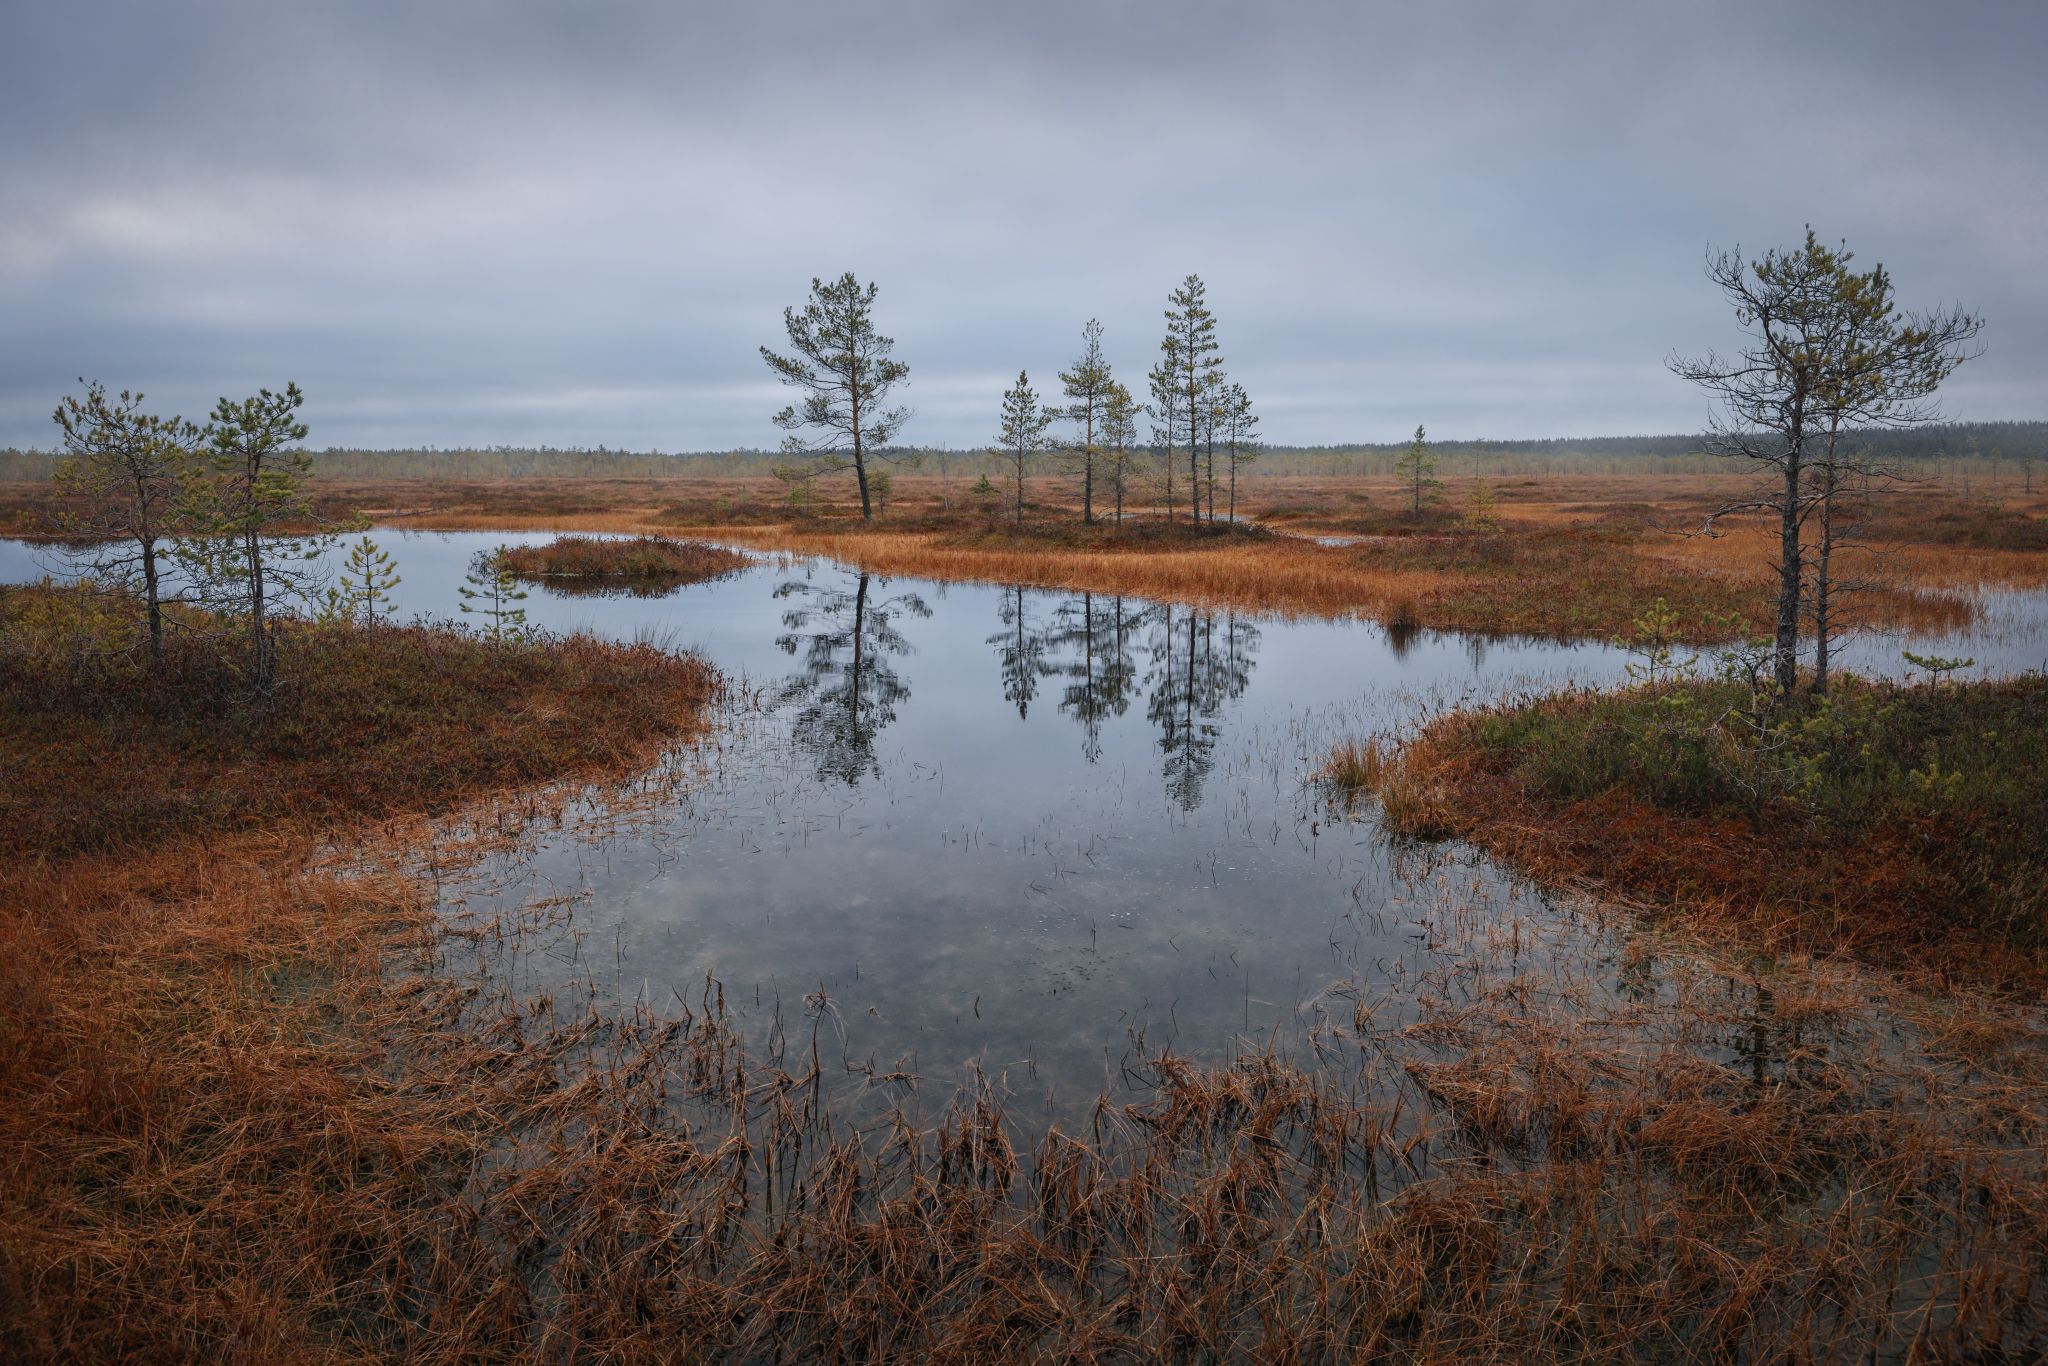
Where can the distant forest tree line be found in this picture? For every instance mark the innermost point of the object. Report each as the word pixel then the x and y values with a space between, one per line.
pixel 1997 451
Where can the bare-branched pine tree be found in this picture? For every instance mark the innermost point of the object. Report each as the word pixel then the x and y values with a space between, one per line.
pixel 1824 352
pixel 844 369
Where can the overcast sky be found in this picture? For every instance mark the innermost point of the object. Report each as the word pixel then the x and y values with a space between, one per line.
pixel 574 223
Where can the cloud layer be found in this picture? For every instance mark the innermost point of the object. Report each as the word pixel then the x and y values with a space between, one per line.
pixel 478 223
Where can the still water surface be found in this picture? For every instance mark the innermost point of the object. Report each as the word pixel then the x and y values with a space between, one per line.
pixel 954 831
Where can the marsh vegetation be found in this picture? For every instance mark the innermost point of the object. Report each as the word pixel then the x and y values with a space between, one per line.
pixel 645 565
pixel 1095 897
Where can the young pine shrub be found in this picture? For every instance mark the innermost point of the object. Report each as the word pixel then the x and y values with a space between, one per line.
pixel 364 591
pixel 490 591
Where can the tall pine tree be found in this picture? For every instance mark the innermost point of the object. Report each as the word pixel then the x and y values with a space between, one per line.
pixel 844 369
pixel 1087 383
pixel 1240 434
pixel 1191 361
pixel 1022 436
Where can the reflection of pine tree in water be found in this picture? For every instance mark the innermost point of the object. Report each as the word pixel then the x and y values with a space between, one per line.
pixel 1198 663
pixel 1093 634
pixel 1197 666
pixel 847 684
pixel 1021 650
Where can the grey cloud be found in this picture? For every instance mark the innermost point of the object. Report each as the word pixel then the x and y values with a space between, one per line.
pixel 485 222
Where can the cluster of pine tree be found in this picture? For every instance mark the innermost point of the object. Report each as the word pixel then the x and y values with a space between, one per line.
pixel 1197 414
pixel 218 517
pixel 844 371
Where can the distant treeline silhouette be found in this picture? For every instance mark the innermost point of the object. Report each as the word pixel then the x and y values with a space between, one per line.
pixel 1978 444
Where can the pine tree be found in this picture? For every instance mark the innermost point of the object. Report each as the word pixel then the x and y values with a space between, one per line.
pixel 1240 434
pixel 1087 384
pixel 1823 351
pixel 490 591
pixel 1164 410
pixel 1192 369
pixel 844 369
pixel 1022 436
pixel 1120 440
pixel 251 508
pixel 128 470
pixel 1414 468
pixel 367 579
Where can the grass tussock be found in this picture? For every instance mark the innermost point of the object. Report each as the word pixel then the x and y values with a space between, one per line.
pixel 1355 769
pixel 628 560
pixel 1907 824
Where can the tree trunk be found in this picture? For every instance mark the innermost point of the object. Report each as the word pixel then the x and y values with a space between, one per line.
pixel 1088 466
pixel 1210 470
pixel 860 464
pixel 156 611
pixel 259 628
pixel 1791 572
pixel 1169 468
pixel 1821 624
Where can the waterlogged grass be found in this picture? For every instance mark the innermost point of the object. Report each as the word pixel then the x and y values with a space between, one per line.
pixel 1355 770
pixel 1902 822
pixel 624 560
